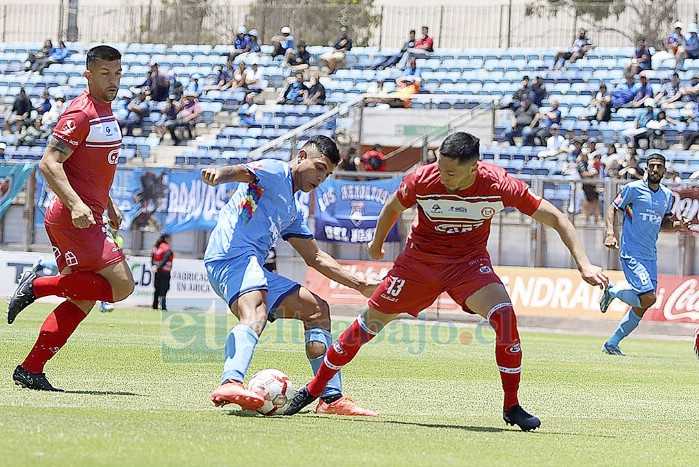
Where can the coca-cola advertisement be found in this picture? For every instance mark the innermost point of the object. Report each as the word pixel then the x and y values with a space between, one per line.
pixel 678 300
pixel 686 204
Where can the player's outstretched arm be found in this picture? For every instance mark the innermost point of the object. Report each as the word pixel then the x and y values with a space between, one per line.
pixel 670 225
pixel 549 215
pixel 327 266
pixel 389 215
pixel 231 173
pixel 51 167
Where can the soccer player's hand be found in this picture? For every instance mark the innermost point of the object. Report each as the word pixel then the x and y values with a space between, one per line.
pixel 684 223
pixel 211 176
pixel 611 242
pixel 115 217
pixel 82 217
pixel 375 250
pixel 368 287
pixel 594 276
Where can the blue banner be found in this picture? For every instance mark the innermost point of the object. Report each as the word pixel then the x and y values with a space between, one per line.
pixel 141 196
pixel 193 205
pixel 12 180
pixel 347 211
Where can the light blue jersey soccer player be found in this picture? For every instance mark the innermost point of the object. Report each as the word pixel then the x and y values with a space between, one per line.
pixel 261 210
pixel 645 205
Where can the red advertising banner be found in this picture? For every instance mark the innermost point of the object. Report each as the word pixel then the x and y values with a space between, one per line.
pixel 538 292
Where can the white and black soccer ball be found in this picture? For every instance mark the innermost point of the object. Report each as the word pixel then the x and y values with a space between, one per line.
pixel 275 387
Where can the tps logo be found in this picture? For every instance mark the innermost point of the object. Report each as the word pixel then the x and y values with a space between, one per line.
pixel 113 157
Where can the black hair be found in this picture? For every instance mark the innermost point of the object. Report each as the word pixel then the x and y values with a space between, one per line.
pixel 461 146
pixel 412 31
pixel 162 238
pixel 656 155
pixel 325 146
pixel 102 52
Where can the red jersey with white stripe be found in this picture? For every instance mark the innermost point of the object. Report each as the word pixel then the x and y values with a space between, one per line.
pixel 90 129
pixel 458 224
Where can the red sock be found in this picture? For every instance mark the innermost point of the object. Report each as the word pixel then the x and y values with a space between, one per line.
pixel 80 285
pixel 339 354
pixel 55 331
pixel 508 352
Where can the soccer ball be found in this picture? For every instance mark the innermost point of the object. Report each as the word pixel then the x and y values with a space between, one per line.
pixel 275 387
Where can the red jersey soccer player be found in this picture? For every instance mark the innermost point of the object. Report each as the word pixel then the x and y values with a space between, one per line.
pixel 79 166
pixel 446 252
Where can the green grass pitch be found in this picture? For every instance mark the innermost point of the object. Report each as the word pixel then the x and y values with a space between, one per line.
pixel 131 401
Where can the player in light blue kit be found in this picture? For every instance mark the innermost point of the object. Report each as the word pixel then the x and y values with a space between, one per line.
pixel 645 205
pixel 261 210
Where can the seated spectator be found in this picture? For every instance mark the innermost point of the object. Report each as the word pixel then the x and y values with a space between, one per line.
pixel 316 93
pixel 50 118
pixel 580 47
pixel 32 134
pixel 254 44
pixel 672 176
pixel 3 157
pixel 225 78
pixel 374 160
pixel 675 40
pixel 254 78
pixel 44 105
pixel 411 75
pixel 656 130
pixel 638 130
pixel 241 44
pixel 239 74
pixel 247 112
pixel 523 117
pixel 294 92
pixel 624 93
pixel 574 151
pixel 168 114
pixel 668 91
pixel 641 58
pixel 56 55
pixel 690 49
pixel 298 59
pixel 520 94
pixel 556 145
pixel 423 47
pixel 630 169
pixel 282 42
pixel 685 95
pixel 135 111
pixel 176 87
pixel 158 82
pixel 643 91
pixel 537 91
pixel 540 127
pixel 194 86
pixel 187 117
pixel 342 45
pixel 39 55
pixel 406 86
pixel 20 114
pixel 601 106
pixel 392 60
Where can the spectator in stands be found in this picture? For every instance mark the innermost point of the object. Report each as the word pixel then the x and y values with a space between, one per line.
pixel 523 117
pixel 556 145
pixel 56 55
pixel 668 90
pixel 298 59
pixel 39 55
pixel 590 205
pixel 538 91
pixel 671 175
pixel 624 93
pixel 639 128
pixel 423 48
pixel 176 87
pixel 50 118
pixel 254 78
pixel 392 60
pixel 581 45
pixel 342 45
pixel 431 156
pixel 374 160
pixel 690 49
pixel 247 112
pixel 631 170
pixel 194 86
pixel 601 106
pixel 377 89
pixel 32 134
pixel 20 113
pixel 254 44
pixel 3 157
pixel 241 44
pixel 349 160
pixel 159 83
pixel 137 108
pixel 405 86
pixel 294 92
pixel 675 40
pixel 686 94
pixel 316 93
pixel 574 151
pixel 540 127
pixel 643 91
pixel 282 42
pixel 520 94
pixel 411 75
pixel 239 74
pixel 168 114
pixel 44 104
pixel 641 58
pixel 187 117
pixel 225 78
pixel 656 130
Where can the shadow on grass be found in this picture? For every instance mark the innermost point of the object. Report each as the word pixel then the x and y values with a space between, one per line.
pixel 104 393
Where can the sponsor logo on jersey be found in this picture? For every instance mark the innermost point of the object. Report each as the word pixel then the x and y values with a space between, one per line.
pixel 113 157
pixel 487 212
pixel 71 260
pixel 485 270
pixel 69 127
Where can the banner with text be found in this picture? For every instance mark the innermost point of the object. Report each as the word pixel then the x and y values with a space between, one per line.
pixel 12 180
pixel 346 211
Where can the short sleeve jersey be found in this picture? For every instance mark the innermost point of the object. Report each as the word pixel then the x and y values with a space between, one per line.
pixel 89 128
pixel 458 224
pixel 644 211
pixel 258 214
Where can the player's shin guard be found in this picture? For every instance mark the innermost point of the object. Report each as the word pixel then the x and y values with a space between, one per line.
pixel 334 387
pixel 81 285
pixel 508 352
pixel 341 352
pixel 57 328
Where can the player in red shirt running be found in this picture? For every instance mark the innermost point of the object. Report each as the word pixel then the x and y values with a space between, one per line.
pixel 446 252
pixel 79 166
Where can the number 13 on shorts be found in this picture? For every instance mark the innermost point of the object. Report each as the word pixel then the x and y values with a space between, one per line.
pixel 395 287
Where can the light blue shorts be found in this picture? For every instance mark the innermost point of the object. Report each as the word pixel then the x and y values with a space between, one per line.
pixel 641 274
pixel 231 278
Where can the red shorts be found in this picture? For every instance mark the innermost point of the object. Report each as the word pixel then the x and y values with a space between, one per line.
pixel 417 279
pixel 91 249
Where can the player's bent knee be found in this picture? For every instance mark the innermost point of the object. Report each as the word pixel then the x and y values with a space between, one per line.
pixel 315 349
pixel 648 299
pixel 84 305
pixel 122 290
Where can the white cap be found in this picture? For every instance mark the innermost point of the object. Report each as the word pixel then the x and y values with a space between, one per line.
pixel 678 24
pixel 253 32
pixel 3 145
pixel 692 28
pixel 242 30
pixel 286 30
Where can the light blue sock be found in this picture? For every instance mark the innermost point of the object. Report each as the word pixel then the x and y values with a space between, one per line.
pixel 240 345
pixel 626 295
pixel 628 323
pixel 334 386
